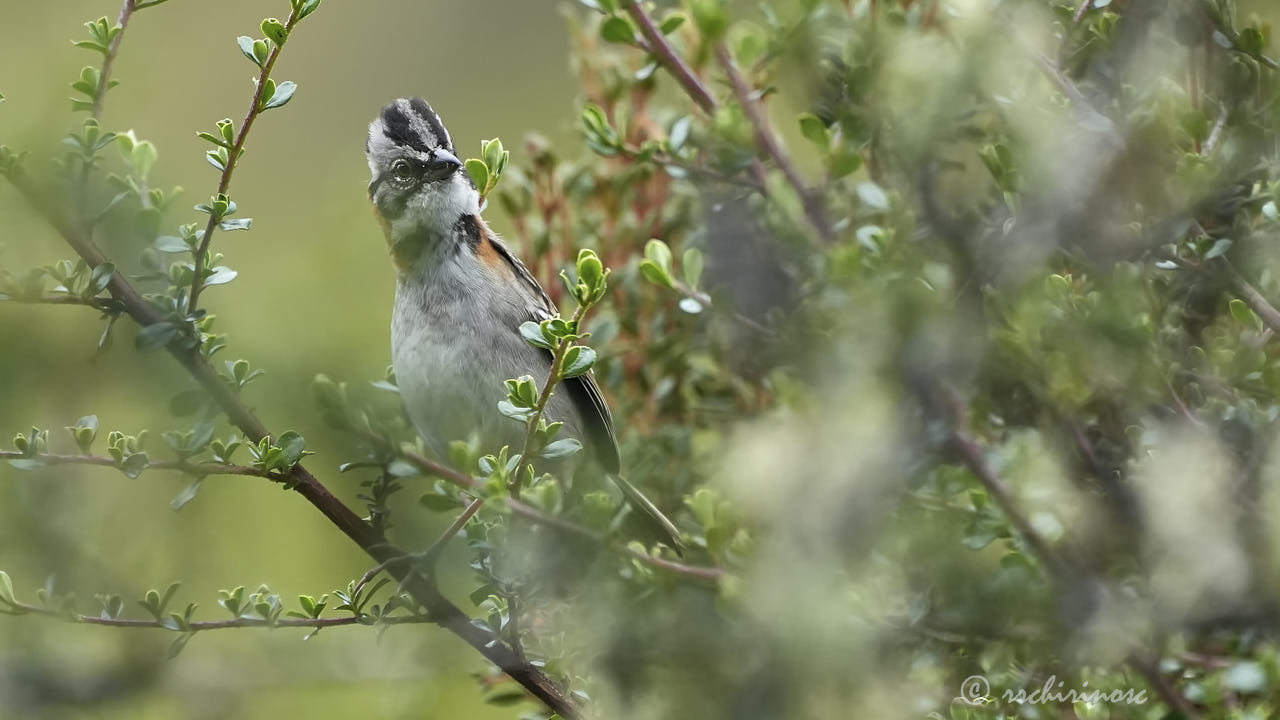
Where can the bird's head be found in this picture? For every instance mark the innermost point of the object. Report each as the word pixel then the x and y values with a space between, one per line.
pixel 416 188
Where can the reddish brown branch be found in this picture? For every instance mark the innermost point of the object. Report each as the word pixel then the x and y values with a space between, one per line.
pixel 814 206
pixel 657 45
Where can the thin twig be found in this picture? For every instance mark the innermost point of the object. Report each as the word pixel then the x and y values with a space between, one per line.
pixel 814 206
pixel 704 300
pixel 661 50
pixel 99 98
pixel 233 157
pixel 971 452
pixel 1069 31
pixel 1077 98
pixel 427 556
pixel 517 507
pixel 1057 568
pixel 103 304
pixel 200 626
pixel 1215 136
pixel 548 387
pixel 707 173
pixel 655 43
pixel 1251 296
pixel 1150 670
pixel 201 469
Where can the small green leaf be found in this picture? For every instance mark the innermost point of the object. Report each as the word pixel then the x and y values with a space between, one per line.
pixel 578 360
pixel 144 158
pixel 221 275
pixel 133 465
pixel 156 336
pixel 306 8
pixel 672 22
pixel 655 274
pixel 493 153
pixel 532 334
pixel 180 642
pixel 1240 311
pixel 618 29
pixel 590 269
pixel 6 589
pixel 658 252
pixel 479 173
pixel 813 129
pixel 187 495
pixel 281 95
pixel 101 277
pixel 292 446
pixel 437 501
pixel 1220 247
pixel 246 46
pixel 261 52
pixel 561 448
pixel 710 17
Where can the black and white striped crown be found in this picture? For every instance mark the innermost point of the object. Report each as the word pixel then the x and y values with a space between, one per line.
pixel 408 123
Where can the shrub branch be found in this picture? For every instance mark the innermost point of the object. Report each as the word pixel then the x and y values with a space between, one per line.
pixel 233 157
pixel 814 206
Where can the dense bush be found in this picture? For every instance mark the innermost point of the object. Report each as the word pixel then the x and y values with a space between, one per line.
pixel 960 383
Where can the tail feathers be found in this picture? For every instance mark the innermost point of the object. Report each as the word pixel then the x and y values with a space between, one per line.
pixel 660 522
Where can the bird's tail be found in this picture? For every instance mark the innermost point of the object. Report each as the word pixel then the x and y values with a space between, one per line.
pixel 660 522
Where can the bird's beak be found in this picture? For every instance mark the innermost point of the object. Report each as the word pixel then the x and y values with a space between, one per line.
pixel 442 165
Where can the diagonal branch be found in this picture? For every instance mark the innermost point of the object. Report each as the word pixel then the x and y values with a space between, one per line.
pixel 1251 296
pixel 200 469
pixel 658 46
pixel 814 206
pixel 1057 567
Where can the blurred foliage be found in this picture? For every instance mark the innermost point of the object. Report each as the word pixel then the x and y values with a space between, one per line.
pixel 939 327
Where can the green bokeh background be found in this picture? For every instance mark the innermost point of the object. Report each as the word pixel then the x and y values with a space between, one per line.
pixel 314 295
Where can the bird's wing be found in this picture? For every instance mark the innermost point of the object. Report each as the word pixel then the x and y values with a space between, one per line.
pixel 582 390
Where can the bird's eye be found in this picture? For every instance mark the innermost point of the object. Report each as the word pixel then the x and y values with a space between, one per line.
pixel 403 172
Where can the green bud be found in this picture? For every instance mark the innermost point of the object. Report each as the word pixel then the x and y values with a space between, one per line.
pixel 227 130
pixel 260 52
pixel 590 269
